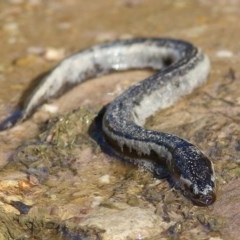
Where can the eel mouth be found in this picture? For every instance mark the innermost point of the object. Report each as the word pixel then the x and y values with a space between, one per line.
pixel 203 200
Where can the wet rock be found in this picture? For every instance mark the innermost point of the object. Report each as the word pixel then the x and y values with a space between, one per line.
pixel 229 197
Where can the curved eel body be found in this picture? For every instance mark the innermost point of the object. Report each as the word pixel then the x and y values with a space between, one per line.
pixel 180 66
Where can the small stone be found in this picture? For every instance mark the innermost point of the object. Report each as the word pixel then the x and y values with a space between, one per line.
pixel 53 54
pixel 105 179
pixel 224 54
pixel 50 108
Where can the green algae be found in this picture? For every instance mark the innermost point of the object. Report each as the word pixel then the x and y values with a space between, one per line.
pixel 57 146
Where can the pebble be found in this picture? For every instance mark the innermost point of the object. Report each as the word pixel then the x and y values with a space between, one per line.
pixel 50 108
pixel 224 54
pixel 54 54
pixel 105 179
